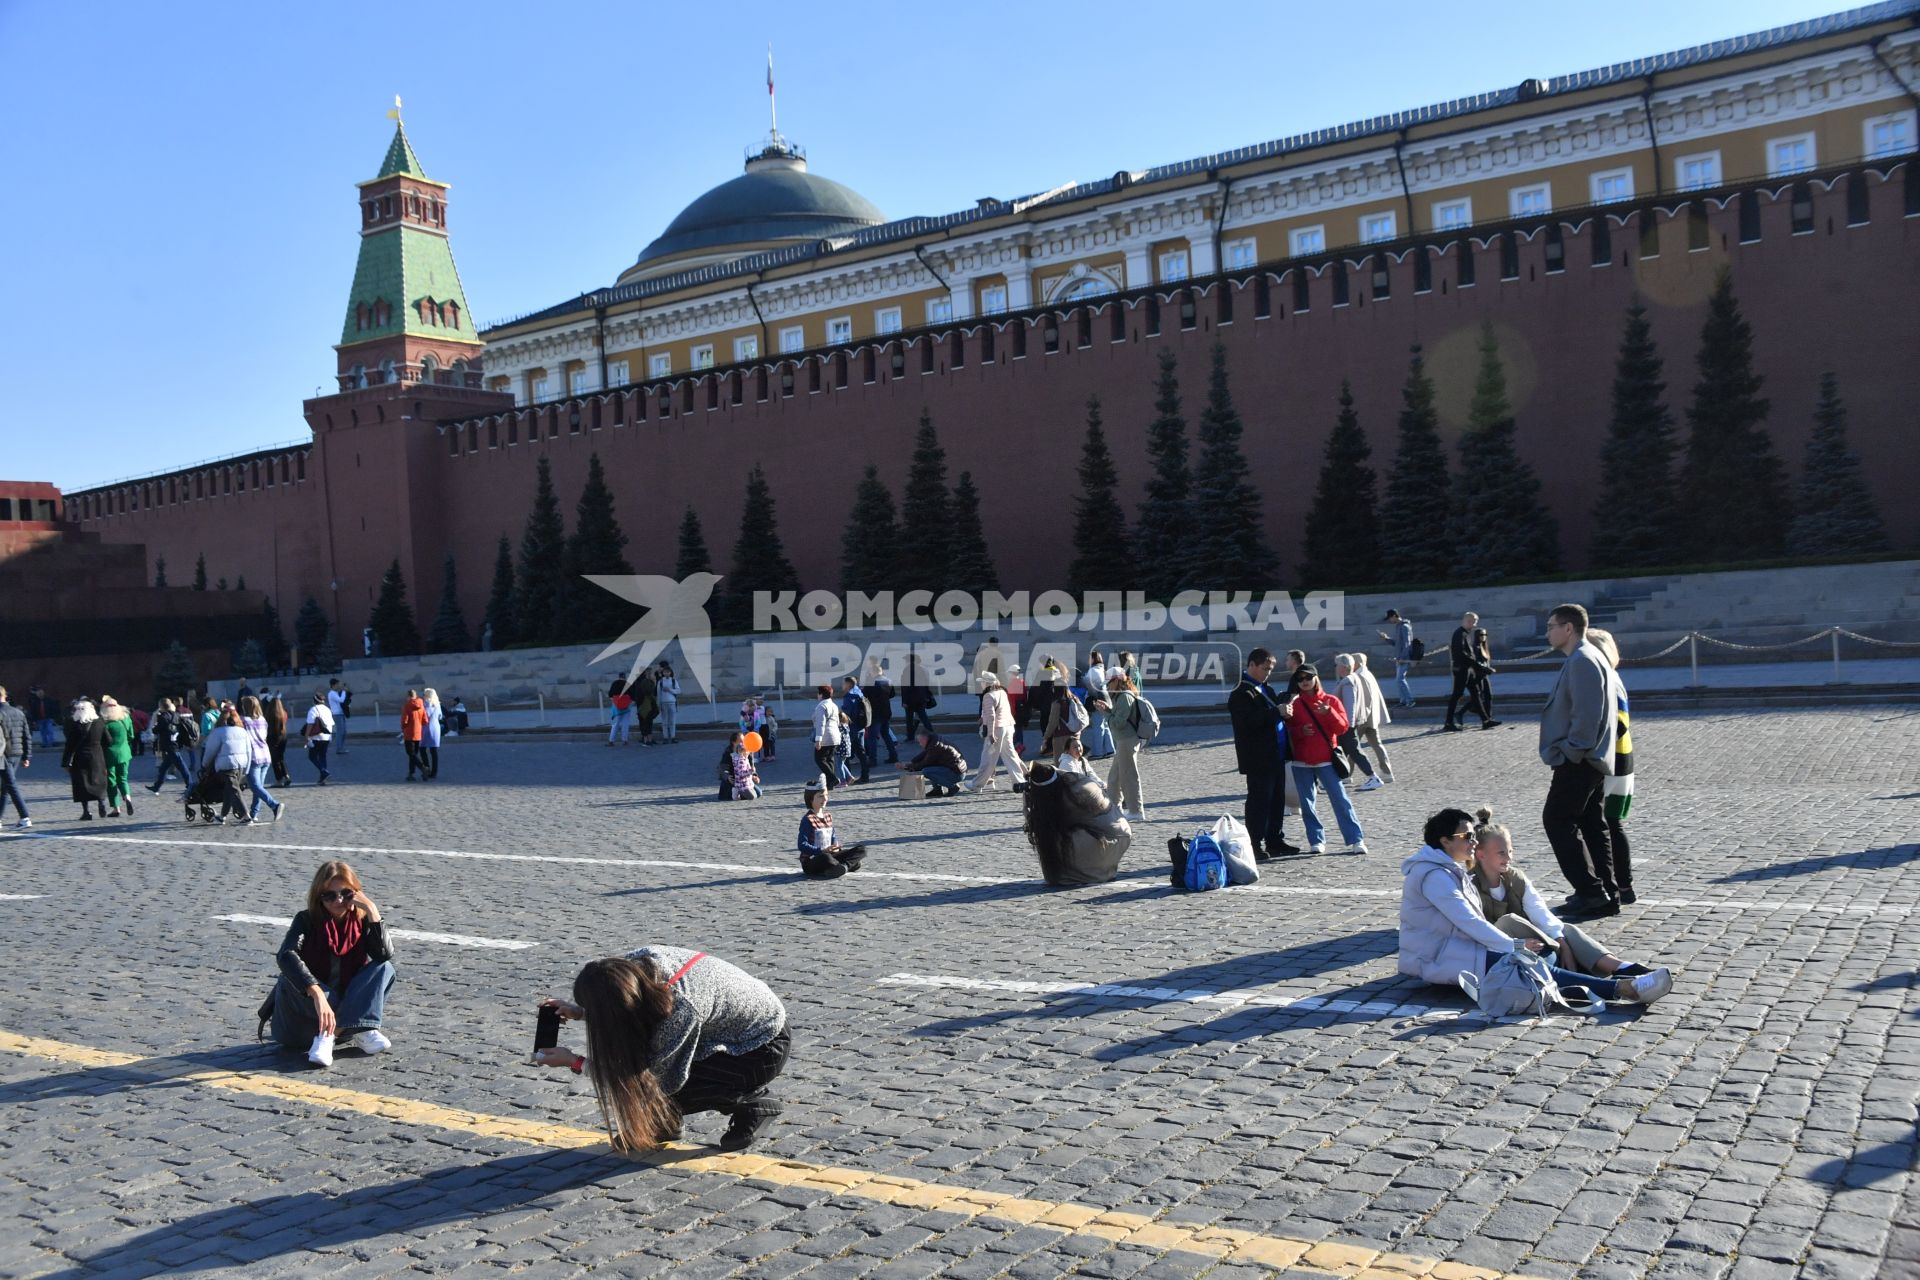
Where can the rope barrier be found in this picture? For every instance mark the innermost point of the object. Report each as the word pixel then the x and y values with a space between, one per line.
pixel 1889 644
pixel 1765 648
pixel 1703 638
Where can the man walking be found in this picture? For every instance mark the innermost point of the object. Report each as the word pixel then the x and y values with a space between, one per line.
pixel 1460 651
pixel 859 719
pixel 16 753
pixel 1401 639
pixel 1577 732
pixel 1099 735
pixel 826 734
pixel 173 734
pixel 880 732
pixel 916 699
pixel 1255 710
pixel 338 700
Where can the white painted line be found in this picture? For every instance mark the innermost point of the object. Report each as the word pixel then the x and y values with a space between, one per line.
pixel 20 897
pixel 411 935
pixel 1232 998
pixel 755 841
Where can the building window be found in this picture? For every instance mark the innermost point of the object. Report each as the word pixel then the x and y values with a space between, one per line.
pixel 993 300
pixel 840 331
pixel 1451 215
pixel 793 338
pixel 746 349
pixel 1612 186
pixel 1242 254
pixel 1888 135
pixel 886 320
pixel 703 357
pixel 1525 202
pixel 1376 227
pixel 659 366
pixel 1306 240
pixel 939 310
pixel 1173 266
pixel 1696 173
pixel 617 373
pixel 1789 155
pixel 542 387
pixel 577 383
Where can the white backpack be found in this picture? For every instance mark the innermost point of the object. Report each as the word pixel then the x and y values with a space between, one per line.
pixel 1075 717
pixel 1144 720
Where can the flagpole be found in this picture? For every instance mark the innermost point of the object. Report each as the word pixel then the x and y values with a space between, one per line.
pixel 773 113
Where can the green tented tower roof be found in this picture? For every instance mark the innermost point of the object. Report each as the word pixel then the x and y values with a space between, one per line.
pixel 400 158
pixel 405 263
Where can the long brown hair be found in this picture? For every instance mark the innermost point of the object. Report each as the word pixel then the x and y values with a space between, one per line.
pixel 276 717
pixel 330 871
pixel 250 708
pixel 625 1001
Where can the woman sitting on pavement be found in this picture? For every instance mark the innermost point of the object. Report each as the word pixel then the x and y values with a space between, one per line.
pixel 671 1033
pixel 822 857
pixel 336 965
pixel 1512 905
pixel 1444 933
pixel 738 780
pixel 1079 834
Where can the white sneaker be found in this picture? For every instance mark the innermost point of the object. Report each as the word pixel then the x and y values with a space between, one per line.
pixel 321 1054
pixel 371 1041
pixel 1650 987
pixel 279 813
pixel 1358 846
pixel 1316 848
pixel 25 824
pixel 1371 784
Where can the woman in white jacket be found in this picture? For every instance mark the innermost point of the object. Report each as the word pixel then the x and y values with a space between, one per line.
pixel 1378 717
pixel 1354 696
pixel 996 738
pixel 1444 933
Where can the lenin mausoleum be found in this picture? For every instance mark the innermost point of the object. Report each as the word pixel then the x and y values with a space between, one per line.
pixel 783 320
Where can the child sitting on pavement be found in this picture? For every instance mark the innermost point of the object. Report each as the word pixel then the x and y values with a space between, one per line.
pixel 822 856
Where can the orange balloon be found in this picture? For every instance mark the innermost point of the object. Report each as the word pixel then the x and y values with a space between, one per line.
pixel 752 741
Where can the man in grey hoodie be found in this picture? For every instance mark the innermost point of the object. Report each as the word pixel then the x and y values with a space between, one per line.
pixel 1577 731
pixel 16 753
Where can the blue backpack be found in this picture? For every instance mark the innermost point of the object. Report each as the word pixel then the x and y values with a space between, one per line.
pixel 1206 865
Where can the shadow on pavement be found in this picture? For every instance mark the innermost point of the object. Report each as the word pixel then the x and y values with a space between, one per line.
pixel 1894 856
pixel 166 1070
pixel 932 898
pixel 779 877
pixel 224 1237
pixel 1866 1168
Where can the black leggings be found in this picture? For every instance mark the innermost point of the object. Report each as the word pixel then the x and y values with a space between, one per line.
pixel 730 1084
pixel 831 866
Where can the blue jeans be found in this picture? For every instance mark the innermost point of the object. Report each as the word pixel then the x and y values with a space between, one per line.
pixel 257 783
pixel 170 762
pixel 7 788
pixel 877 735
pixel 46 733
pixel 617 731
pixel 1605 988
pixel 317 755
pixel 1306 777
pixel 1400 669
pixel 1099 737
pixel 939 776
pixel 358 1008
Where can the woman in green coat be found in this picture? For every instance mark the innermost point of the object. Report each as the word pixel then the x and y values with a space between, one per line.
pixel 116 737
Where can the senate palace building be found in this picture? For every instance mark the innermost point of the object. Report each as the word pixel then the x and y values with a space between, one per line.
pixel 783 320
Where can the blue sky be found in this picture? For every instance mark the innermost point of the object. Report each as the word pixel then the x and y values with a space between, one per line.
pixel 181 226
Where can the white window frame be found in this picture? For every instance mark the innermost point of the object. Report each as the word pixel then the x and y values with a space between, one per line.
pixel 993 300
pixel 886 319
pixel 1596 184
pixel 839 331
pixel 747 348
pixel 660 364
pixel 617 373
pixel 542 388
pixel 1239 255
pixel 1519 197
pixel 577 382
pixel 1306 240
pixel 1774 167
pixel 939 310
pixel 702 357
pixel 1904 119
pixel 1709 159
pixel 1372 230
pixel 1441 208
pixel 793 338
pixel 1175 265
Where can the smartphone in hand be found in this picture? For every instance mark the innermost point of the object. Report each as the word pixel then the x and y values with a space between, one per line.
pixel 546 1032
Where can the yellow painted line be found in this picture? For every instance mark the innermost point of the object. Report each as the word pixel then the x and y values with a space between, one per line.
pixel 1326 1258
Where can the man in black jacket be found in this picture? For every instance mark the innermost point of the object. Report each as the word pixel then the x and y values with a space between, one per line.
pixel 1255 709
pixel 1460 650
pixel 916 699
pixel 859 720
pixel 880 733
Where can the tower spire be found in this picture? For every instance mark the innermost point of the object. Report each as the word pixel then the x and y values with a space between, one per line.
pixel 773 112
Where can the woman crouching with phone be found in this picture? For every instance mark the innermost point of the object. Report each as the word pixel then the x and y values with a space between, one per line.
pixel 336 965
pixel 670 1033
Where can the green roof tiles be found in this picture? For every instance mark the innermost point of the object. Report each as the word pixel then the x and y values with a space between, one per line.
pixel 400 267
pixel 400 158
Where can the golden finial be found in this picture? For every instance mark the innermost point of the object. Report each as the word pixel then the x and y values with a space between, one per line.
pixel 394 115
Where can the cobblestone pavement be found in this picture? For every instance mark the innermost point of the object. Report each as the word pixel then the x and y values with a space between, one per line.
pixel 1246 1089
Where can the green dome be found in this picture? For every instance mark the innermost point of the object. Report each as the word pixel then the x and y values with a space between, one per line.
pixel 775 199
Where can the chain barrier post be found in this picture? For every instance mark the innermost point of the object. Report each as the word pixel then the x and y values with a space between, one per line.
pixel 1693 656
pixel 1836 655
pixel 486 708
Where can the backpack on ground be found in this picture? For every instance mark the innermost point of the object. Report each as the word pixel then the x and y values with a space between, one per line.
pixel 1144 720
pixel 1075 717
pixel 1416 649
pixel 1206 864
pixel 1520 982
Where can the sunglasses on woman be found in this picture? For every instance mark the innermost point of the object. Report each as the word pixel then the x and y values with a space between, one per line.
pixel 336 895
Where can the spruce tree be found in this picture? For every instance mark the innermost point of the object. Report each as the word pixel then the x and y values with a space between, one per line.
pixel 160 571
pixel 870 547
pixel 500 598
pixel 1342 545
pixel 272 639
pixel 540 577
pixel 175 674
pixel 392 618
pixel 1229 544
pixel 449 633
pixel 759 558
pixel 925 511
pixel 240 583
pixel 1501 528
pixel 327 656
pixel 597 547
pixel 1734 486
pixel 693 556
pixel 249 657
pixel 1636 520
pixel 1835 514
pixel 200 573
pixel 969 562
pixel 1101 558
pixel 310 628
pixel 1163 531
pixel 1414 529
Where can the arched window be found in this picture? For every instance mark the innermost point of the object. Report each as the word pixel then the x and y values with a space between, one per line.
pixel 429 369
pixel 386 373
pixel 357 377
pixel 1084 283
pixel 459 373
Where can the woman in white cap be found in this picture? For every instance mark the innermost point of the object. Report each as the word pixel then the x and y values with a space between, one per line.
pixel 822 856
pixel 996 737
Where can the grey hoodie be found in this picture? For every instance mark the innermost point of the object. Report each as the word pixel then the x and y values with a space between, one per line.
pixel 1578 725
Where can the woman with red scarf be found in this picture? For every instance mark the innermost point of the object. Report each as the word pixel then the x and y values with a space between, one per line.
pixel 336 965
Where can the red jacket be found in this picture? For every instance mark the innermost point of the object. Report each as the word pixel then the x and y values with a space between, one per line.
pixel 413 719
pixel 1305 741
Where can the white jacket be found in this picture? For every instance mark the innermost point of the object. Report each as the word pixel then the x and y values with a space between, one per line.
pixel 826 723
pixel 1442 931
pixel 1375 699
pixel 996 714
